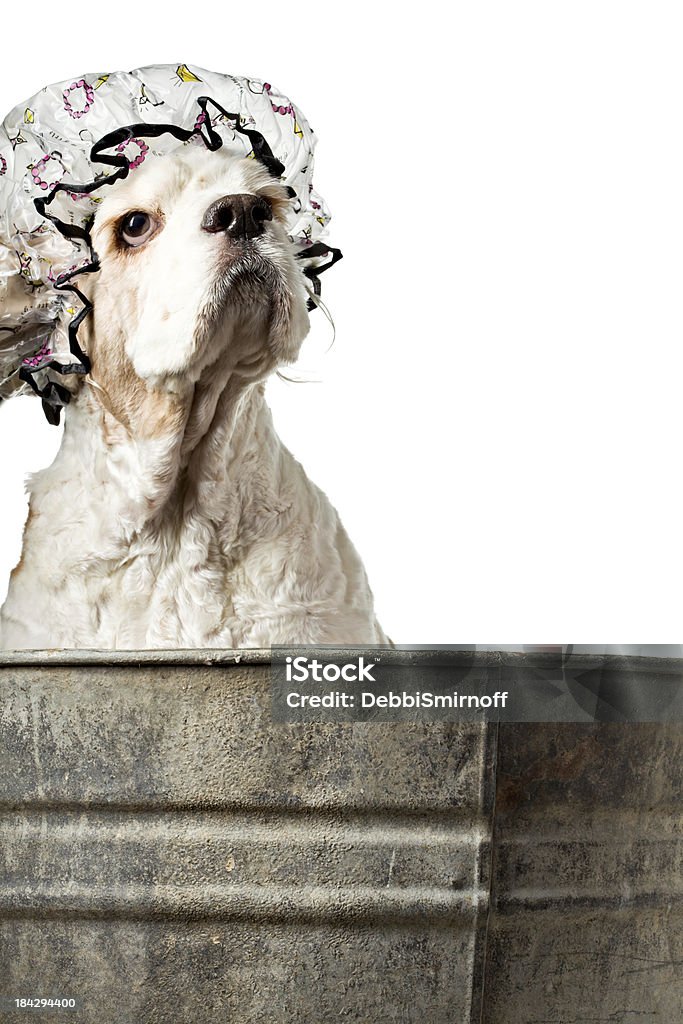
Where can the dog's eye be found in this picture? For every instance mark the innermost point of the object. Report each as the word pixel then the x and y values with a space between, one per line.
pixel 136 228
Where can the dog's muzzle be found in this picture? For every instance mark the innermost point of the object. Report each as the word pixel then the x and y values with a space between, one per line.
pixel 240 216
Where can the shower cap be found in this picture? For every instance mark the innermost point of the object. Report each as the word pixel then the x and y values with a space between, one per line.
pixel 62 149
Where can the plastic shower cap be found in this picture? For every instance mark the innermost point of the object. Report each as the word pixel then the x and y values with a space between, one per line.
pixel 61 147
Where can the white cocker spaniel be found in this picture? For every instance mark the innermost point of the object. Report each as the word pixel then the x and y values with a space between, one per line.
pixel 173 516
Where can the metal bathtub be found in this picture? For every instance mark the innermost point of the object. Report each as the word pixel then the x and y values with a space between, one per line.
pixel 170 854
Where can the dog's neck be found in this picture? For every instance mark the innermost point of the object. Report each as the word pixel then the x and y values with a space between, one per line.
pixel 173 444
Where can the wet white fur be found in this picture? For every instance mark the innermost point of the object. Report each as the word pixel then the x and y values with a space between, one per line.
pixel 172 515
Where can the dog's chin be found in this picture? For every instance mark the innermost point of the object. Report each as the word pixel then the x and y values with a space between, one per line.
pixel 246 291
pixel 251 310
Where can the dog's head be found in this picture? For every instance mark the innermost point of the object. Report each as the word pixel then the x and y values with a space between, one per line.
pixel 196 268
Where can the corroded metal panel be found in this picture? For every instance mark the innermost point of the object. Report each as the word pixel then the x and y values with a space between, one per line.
pixel 586 918
pixel 170 854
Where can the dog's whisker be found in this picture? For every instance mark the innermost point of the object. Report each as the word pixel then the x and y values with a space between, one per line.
pixel 319 304
pixel 297 380
pixel 91 382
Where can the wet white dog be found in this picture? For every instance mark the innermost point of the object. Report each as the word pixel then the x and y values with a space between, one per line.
pixel 173 516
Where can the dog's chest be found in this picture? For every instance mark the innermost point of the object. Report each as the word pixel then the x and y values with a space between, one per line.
pixel 185 585
pixel 246 553
pixel 185 582
pixel 166 587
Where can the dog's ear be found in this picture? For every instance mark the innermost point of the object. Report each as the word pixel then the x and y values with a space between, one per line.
pixel 20 336
pixel 34 323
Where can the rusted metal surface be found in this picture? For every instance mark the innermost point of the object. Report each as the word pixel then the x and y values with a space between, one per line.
pixel 169 854
pixel 586 921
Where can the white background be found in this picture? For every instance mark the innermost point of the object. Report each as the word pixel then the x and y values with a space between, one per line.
pixel 498 421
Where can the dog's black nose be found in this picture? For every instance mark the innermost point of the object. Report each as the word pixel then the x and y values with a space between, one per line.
pixel 240 216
